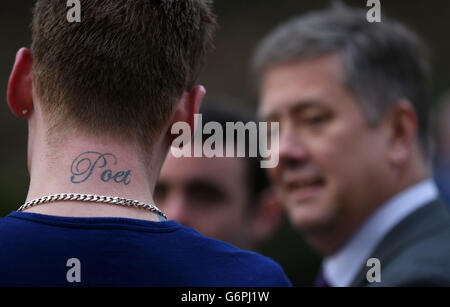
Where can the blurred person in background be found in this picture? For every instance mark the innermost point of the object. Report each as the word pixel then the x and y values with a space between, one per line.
pixel 351 100
pixel 442 146
pixel 226 198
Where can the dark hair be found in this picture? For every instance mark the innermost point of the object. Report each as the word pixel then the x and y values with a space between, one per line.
pixel 120 71
pixel 383 62
pixel 221 113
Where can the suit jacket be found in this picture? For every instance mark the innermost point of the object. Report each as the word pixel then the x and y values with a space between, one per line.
pixel 416 252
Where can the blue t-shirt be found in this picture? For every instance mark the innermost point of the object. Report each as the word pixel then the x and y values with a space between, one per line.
pixel 43 250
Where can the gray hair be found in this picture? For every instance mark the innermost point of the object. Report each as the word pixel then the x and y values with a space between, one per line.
pixel 383 62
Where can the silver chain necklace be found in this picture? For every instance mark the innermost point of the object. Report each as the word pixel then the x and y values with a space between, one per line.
pixel 92 198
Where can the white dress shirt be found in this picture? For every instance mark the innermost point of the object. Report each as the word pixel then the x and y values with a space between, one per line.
pixel 341 268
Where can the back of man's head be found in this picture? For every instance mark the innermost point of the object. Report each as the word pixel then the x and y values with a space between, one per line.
pixel 120 71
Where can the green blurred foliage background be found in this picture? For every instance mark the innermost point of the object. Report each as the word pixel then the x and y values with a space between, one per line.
pixel 226 76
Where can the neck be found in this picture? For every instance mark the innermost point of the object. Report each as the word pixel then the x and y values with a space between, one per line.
pixel 91 166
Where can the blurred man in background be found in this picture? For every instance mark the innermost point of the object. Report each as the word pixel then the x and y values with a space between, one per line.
pixel 442 146
pixel 353 175
pixel 226 198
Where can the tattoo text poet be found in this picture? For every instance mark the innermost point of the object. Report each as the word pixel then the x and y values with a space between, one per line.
pixel 86 163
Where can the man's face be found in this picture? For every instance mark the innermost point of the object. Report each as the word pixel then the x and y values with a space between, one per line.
pixel 330 158
pixel 207 194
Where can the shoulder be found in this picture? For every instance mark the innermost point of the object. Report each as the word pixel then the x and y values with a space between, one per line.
pixel 423 262
pixel 256 269
pixel 186 257
pixel 416 251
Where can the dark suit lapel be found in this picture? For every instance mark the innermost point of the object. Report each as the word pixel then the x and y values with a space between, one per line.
pixel 423 222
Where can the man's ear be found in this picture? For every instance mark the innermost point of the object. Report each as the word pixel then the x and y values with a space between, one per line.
pixel 187 107
pixel 20 86
pixel 402 125
pixel 266 219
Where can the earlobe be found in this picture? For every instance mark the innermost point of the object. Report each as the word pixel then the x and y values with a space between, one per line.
pixel 187 107
pixel 195 100
pixel 20 97
pixel 267 218
pixel 404 132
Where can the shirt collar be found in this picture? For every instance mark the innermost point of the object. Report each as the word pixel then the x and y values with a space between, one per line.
pixel 341 268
